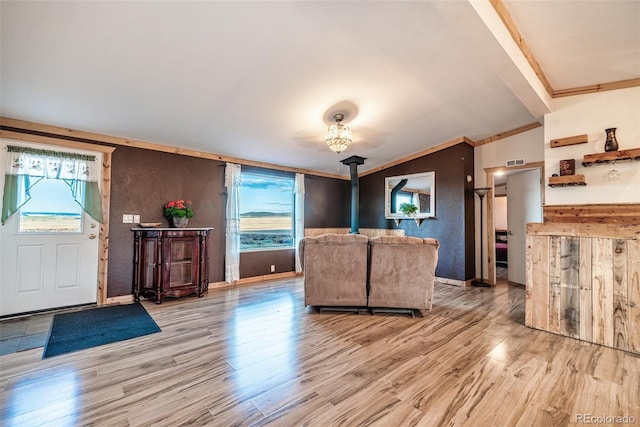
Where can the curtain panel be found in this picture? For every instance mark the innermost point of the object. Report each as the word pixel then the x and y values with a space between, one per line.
pixel 26 166
pixel 298 191
pixel 232 181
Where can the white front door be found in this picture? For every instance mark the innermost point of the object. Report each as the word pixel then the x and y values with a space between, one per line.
pixel 524 205
pixel 48 269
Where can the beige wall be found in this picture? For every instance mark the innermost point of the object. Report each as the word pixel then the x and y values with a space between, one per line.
pixel 591 114
pixel 587 114
pixel 528 145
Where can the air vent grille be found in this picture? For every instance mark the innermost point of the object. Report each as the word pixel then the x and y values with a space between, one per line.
pixel 515 162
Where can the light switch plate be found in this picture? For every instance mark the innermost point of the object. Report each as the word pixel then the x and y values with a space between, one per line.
pixel 127 218
pixel 136 219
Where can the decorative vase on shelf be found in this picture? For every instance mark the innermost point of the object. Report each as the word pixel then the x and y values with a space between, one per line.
pixel 611 144
pixel 180 221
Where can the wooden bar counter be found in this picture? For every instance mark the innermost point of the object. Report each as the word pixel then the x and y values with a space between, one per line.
pixel 583 281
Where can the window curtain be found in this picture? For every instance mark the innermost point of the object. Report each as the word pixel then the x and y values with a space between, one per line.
pixel 298 191
pixel 26 166
pixel 232 179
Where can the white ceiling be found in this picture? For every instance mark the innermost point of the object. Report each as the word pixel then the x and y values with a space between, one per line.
pixel 260 80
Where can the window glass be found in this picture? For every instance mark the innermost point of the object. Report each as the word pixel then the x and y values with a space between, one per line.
pixel 266 212
pixel 51 209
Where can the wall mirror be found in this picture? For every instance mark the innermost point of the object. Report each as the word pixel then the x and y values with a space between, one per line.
pixel 418 189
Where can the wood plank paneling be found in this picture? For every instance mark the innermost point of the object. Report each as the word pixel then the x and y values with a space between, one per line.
pixel 627 232
pixel 606 213
pixel 586 298
pixel 602 287
pixel 569 286
pixel 593 282
pixel 619 270
pixel 538 286
pixel 554 284
pixel 633 295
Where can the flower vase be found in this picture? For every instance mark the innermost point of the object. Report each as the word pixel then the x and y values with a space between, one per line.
pixel 611 144
pixel 180 221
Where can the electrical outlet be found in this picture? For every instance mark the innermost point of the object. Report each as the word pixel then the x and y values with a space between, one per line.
pixel 136 219
pixel 273 268
pixel 127 218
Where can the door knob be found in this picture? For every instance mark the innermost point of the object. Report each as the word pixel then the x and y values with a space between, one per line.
pixel 92 236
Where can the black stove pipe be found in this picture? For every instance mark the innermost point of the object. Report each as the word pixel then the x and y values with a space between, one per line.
pixel 353 163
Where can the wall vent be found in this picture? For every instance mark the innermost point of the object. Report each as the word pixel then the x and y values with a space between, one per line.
pixel 515 162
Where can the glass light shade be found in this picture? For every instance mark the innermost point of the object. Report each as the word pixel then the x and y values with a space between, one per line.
pixel 481 192
pixel 338 137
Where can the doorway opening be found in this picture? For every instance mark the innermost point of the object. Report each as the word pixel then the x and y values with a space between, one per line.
pixel 506 228
pixel 52 253
pixel 501 228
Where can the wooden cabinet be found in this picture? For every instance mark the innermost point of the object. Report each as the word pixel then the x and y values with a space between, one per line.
pixel 170 262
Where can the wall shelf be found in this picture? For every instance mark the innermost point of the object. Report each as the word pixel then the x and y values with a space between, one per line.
pixel 611 156
pixel 567 181
pixel 571 140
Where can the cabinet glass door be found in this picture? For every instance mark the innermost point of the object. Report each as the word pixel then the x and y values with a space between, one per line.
pixel 181 262
pixel 149 263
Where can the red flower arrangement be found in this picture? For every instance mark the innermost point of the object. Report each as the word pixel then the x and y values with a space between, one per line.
pixel 178 208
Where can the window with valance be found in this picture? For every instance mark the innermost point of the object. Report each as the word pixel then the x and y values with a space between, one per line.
pixel 26 166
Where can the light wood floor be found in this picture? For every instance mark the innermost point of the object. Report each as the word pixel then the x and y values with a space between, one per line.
pixel 257 356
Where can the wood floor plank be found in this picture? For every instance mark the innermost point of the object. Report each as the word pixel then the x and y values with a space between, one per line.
pixel 256 356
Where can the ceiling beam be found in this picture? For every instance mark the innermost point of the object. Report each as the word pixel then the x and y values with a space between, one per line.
pixel 511 63
pixel 511 26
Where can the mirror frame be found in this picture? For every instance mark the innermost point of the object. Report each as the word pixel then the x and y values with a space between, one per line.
pixel 419 215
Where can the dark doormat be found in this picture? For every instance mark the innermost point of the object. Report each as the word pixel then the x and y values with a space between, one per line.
pixel 84 329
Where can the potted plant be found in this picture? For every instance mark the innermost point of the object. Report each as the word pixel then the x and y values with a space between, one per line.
pixel 179 212
pixel 408 209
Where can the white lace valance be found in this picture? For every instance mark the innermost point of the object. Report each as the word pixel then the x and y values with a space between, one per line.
pixel 51 164
pixel 27 166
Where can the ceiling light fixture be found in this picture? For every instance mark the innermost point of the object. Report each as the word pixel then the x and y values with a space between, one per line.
pixel 338 136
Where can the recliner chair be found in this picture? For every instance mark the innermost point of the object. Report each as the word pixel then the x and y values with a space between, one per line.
pixel 335 269
pixel 402 272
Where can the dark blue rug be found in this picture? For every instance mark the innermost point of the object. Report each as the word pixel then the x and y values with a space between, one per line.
pixel 84 329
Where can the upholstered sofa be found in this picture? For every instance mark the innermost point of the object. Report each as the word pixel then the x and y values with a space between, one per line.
pixel 380 272
pixel 402 272
pixel 335 269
